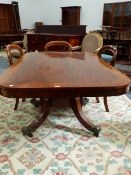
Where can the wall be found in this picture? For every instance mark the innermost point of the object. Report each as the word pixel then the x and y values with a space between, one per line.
pixel 91 11
pixel 49 11
pixel 32 11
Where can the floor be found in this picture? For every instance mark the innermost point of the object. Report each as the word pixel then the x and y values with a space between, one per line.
pixel 123 66
pixel 61 145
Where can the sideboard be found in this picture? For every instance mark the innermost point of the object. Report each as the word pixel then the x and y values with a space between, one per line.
pixel 43 34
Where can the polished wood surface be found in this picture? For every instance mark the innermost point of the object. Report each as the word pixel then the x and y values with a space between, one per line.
pixel 45 33
pixel 57 74
pixel 61 75
pixel 37 41
pixel 62 29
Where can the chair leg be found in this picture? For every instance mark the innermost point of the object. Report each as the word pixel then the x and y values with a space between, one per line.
pixel 106 105
pixel 23 99
pixel 84 101
pixel 16 103
pixel 97 100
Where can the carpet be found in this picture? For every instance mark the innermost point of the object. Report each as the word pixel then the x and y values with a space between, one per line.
pixel 3 63
pixel 124 68
pixel 61 146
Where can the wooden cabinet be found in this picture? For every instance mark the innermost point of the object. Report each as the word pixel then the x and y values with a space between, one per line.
pixel 44 33
pixel 37 41
pixel 71 15
pixel 6 18
pixel 9 18
pixel 117 15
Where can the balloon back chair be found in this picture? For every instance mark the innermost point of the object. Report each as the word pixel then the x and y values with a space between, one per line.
pixel 108 53
pixel 58 46
pixel 14 52
pixel 91 42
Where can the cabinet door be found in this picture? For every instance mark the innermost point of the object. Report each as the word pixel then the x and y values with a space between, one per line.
pixel 117 15
pixel 6 18
pixel 65 17
pixel 107 15
pixel 126 23
pixel 70 15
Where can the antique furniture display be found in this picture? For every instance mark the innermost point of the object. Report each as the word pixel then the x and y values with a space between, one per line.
pixel 61 76
pixel 117 15
pixel 71 15
pixel 117 27
pixel 9 23
pixel 10 28
pixel 14 52
pixel 9 18
pixel 58 46
pixel 123 44
pixel 108 53
pixel 46 33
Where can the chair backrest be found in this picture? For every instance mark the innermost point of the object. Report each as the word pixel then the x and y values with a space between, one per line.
pixel 92 42
pixel 25 42
pixel 12 51
pixel 58 46
pixel 108 53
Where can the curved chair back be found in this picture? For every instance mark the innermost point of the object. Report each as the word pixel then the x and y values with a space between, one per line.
pixel 13 51
pixel 92 42
pixel 108 53
pixel 58 46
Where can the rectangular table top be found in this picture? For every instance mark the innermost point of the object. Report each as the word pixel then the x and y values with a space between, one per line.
pixel 62 74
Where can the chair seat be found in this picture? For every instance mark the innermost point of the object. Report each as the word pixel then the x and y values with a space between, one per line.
pixel 106 57
pixel 16 54
pixel 76 47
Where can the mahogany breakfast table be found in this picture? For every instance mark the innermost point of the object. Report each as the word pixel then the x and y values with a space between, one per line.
pixel 61 75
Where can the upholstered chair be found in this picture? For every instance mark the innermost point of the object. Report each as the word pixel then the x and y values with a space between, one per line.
pixel 91 42
pixel 10 50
